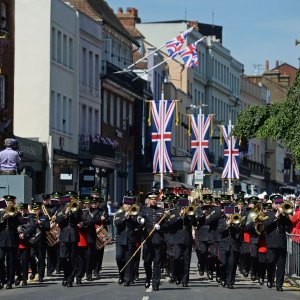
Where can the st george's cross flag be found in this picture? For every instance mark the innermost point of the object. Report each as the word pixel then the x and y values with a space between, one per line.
pixel 199 142
pixel 190 56
pixel 231 154
pixel 162 116
pixel 175 45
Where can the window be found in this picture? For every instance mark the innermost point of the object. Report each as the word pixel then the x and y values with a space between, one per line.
pixel 91 69
pixel 70 116
pixel 64 115
pixel 96 122
pixel 71 53
pixel 53 43
pixel 118 113
pixel 2 91
pixel 83 66
pixel 130 121
pixel 97 70
pixel 59 46
pixel 52 111
pixel 3 16
pixel 83 126
pixel 104 107
pixel 90 121
pixel 124 115
pixel 58 113
pixel 65 48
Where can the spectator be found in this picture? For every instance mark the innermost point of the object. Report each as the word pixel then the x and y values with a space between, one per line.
pixel 111 214
pixel 295 218
pixel 9 158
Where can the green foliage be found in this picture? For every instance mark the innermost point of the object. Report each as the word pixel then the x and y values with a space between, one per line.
pixel 278 121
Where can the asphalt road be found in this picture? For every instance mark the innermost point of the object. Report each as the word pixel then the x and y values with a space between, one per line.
pixel 107 288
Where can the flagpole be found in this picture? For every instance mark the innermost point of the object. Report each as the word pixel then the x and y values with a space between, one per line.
pixel 200 140
pixel 162 142
pixel 230 153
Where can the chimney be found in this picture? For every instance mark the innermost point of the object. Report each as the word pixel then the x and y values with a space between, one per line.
pixel 277 63
pixel 267 66
pixel 130 18
pixel 120 10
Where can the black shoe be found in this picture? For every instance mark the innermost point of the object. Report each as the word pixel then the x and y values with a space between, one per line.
pixel 172 280
pixel 121 280
pixel 223 283
pixel 201 273
pixel 137 278
pixel 178 282
pixel 155 288
pixel 253 277
pixel 97 275
pixel 24 282
pixel 78 281
pixel 210 275
pixel 270 284
pixel 126 283
pixel 230 286
pixel 64 283
pixel 41 279
pixel 185 284
pixel 9 286
pixel 17 282
pixel 279 289
pixel 70 284
pixel 261 281
pixel 89 278
pixel 147 284
pixel 32 276
pixel 245 274
pixel 218 279
pixel 1 285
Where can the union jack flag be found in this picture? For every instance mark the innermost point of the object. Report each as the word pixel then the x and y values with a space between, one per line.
pixel 231 154
pixel 199 142
pixel 190 56
pixel 162 115
pixel 175 45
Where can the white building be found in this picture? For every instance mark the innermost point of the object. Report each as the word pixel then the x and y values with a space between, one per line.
pixel 47 85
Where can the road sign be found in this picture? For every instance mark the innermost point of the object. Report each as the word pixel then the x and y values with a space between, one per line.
pixel 199 177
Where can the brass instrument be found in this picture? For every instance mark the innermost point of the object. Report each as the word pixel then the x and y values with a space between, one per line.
pixel 134 210
pixel 73 206
pixel 103 237
pixel 257 216
pixel 287 207
pixel 53 234
pixel 190 210
pixel 10 211
pixel 236 218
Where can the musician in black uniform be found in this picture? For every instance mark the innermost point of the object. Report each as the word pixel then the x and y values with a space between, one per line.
pixel 104 218
pixel 9 222
pixel 26 230
pixel 152 218
pixel 201 236
pixel 69 219
pixel 229 233
pixel 43 224
pixel 126 225
pixel 276 226
pixel 180 225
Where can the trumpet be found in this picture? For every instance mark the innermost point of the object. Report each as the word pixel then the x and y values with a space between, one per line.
pixel 134 210
pixel 287 207
pixel 236 218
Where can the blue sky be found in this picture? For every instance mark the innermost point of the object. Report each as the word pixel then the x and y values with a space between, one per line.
pixel 254 31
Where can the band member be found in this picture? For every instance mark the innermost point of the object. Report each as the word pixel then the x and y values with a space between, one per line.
pixel 126 224
pixel 201 237
pixel 101 206
pixel 229 231
pixel 26 230
pixel 180 224
pixel 9 222
pixel 70 220
pixel 152 219
pixel 276 226
pixel 43 223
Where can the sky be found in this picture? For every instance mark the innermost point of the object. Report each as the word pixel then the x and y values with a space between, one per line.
pixel 254 31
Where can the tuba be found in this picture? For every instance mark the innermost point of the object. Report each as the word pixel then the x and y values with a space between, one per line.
pixel 53 234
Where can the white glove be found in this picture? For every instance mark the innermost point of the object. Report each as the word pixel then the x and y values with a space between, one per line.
pixel 157 226
pixel 142 221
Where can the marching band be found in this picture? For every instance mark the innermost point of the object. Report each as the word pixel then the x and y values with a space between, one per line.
pixel 68 234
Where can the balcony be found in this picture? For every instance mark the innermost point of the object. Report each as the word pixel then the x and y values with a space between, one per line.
pixel 92 145
pixel 249 167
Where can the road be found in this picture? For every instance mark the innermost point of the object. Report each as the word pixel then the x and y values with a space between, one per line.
pixel 107 288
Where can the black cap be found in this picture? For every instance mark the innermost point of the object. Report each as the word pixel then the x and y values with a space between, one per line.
pixel 36 204
pixel 71 194
pixel 46 196
pixel 207 198
pixel 131 193
pixel 225 198
pixel 253 199
pixel 96 190
pixel 23 206
pixel 86 199
pixel 56 195
pixel 9 198
pixel 153 194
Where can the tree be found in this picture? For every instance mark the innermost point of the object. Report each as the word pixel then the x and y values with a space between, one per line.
pixel 278 121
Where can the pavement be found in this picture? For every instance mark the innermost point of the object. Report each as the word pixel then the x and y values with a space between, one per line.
pixel 107 287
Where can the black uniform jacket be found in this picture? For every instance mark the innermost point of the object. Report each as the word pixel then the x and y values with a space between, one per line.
pixel 202 228
pixel 180 228
pixel 68 225
pixel 90 218
pixel 228 236
pixel 8 230
pixel 275 229
pixel 152 215
pixel 126 229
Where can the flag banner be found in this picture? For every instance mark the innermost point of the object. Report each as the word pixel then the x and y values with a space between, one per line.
pixel 162 115
pixel 175 45
pixel 231 154
pixel 190 56
pixel 199 142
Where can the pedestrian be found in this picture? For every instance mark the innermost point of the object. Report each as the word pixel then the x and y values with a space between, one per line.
pixel 9 158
